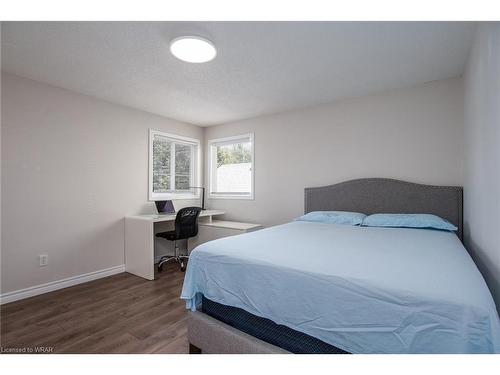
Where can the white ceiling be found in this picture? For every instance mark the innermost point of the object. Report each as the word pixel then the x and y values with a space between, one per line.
pixel 260 68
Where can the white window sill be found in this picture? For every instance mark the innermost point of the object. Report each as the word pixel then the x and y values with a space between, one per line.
pixel 174 196
pixel 229 196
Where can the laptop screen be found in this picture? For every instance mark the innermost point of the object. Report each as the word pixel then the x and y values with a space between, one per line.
pixel 165 207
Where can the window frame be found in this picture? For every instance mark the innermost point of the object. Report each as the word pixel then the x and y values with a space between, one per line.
pixel 195 166
pixel 232 139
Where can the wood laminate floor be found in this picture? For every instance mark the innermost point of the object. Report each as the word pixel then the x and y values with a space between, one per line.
pixel 116 314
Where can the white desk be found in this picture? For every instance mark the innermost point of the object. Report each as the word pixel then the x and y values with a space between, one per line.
pixel 140 241
pixel 209 231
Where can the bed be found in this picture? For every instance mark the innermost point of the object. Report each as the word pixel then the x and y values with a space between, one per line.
pixel 308 287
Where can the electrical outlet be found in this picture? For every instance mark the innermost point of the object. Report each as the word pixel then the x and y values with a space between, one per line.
pixel 44 260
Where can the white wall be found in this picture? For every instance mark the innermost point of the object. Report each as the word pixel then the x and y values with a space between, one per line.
pixel 72 168
pixel 414 134
pixel 482 154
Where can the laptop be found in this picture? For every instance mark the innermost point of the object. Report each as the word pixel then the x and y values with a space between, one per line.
pixel 165 207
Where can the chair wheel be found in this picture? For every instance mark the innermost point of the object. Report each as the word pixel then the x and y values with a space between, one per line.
pixel 183 268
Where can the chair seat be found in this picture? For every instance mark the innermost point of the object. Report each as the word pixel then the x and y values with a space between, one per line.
pixel 170 235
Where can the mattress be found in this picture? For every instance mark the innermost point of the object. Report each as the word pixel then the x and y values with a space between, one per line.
pixel 268 331
pixel 360 289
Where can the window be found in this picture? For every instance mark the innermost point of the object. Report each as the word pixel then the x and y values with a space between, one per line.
pixel 231 167
pixel 173 166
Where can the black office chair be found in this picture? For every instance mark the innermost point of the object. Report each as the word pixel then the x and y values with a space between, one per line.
pixel 186 226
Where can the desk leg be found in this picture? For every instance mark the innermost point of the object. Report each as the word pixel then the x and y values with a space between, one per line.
pixel 139 247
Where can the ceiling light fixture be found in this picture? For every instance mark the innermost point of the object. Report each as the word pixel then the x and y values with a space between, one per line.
pixel 193 49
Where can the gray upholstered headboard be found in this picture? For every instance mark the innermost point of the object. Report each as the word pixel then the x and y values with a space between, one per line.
pixel 383 195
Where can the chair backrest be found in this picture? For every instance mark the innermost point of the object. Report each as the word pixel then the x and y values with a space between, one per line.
pixel 186 222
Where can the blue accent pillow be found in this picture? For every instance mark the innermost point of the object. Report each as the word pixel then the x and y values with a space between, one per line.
pixel 334 217
pixel 408 221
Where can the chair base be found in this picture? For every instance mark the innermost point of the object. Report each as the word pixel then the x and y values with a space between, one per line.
pixel 178 258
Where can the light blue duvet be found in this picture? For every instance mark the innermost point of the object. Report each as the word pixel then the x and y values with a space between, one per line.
pixel 361 289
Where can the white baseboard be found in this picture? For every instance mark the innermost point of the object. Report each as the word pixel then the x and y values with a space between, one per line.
pixel 59 284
